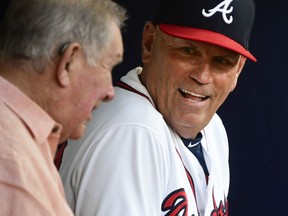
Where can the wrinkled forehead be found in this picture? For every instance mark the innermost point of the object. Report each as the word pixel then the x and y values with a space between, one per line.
pixel 178 41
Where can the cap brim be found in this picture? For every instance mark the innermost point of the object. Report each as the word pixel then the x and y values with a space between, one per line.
pixel 206 36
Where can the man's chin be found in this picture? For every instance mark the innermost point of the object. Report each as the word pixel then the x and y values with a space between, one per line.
pixel 78 133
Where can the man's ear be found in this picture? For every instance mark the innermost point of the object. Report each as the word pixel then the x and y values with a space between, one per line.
pixel 67 55
pixel 241 65
pixel 148 37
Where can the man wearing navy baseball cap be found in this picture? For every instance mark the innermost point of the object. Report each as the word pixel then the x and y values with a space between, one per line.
pixel 225 23
pixel 160 148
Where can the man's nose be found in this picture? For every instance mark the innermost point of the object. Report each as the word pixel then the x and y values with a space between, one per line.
pixel 110 94
pixel 202 73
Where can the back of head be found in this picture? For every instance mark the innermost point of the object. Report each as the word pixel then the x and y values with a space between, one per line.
pixel 226 23
pixel 34 30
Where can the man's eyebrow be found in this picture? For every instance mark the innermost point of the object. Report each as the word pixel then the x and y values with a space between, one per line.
pixel 232 54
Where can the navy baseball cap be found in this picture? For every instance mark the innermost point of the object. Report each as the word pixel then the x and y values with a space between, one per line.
pixel 226 23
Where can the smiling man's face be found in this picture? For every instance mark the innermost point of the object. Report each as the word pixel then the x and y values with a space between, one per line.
pixel 188 80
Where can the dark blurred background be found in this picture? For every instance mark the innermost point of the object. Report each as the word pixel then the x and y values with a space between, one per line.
pixel 255 114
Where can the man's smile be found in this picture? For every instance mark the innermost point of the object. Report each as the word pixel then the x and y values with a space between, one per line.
pixel 191 95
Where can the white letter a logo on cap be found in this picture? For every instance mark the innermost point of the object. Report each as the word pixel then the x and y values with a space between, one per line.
pixel 222 8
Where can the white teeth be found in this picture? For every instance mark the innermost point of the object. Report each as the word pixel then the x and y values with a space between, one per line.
pixel 191 93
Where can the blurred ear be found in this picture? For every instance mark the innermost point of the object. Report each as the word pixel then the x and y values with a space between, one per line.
pixel 68 54
pixel 148 37
pixel 240 68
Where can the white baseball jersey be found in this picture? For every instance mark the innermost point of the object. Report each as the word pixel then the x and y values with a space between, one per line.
pixel 131 163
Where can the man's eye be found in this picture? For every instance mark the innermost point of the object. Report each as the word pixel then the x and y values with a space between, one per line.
pixel 187 50
pixel 221 60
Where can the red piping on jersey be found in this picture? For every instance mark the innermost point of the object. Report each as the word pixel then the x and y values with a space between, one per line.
pixel 128 87
pixel 190 179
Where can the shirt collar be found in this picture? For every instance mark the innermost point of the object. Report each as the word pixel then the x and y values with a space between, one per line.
pixel 39 123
